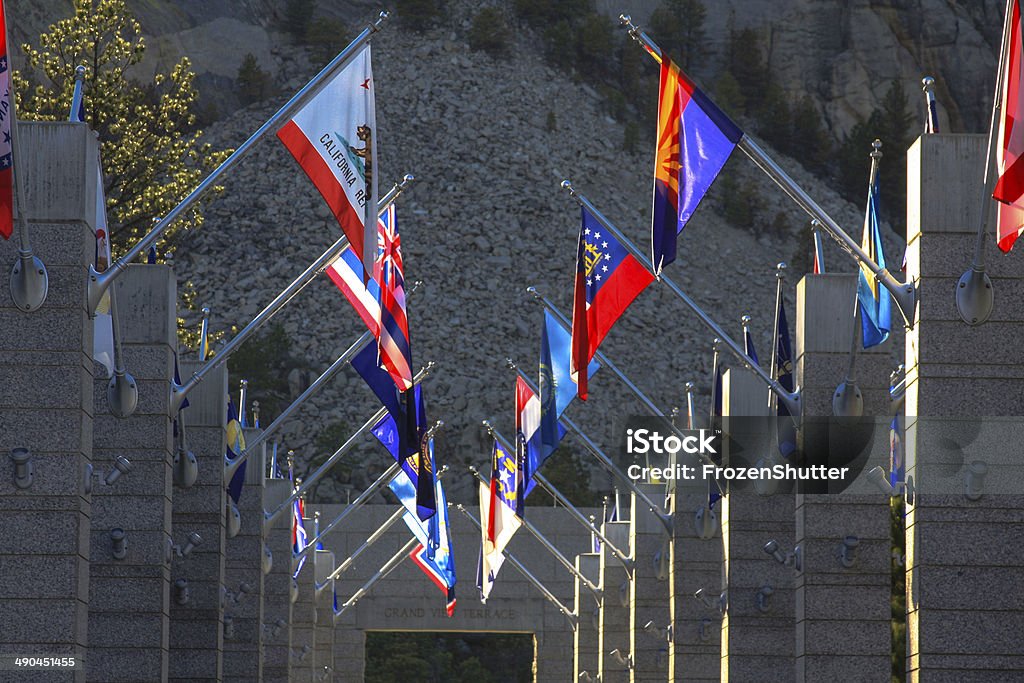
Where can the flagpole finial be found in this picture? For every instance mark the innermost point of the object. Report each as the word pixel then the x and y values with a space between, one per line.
pixel 381 18
pixel 689 387
pixel 472 470
pixel 927 83
pixel 567 185
pixel 532 291
pixel 876 148
pixel 79 72
pixel 780 270
pixel 406 179
pixel 206 311
pixel 745 320
pixel 716 344
pixel 510 364
pixel 416 285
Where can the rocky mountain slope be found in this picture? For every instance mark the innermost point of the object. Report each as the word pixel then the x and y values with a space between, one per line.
pixel 484 219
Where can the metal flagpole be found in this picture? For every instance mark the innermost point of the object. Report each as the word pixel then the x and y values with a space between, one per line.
pixel 691 408
pixel 386 569
pixel 792 401
pixel 819 248
pixel 178 393
pixel 98 283
pixel 231 465
pixel 375 536
pixel 931 121
pixel 602 458
pixel 204 335
pixel 905 294
pixel 510 558
pixel 381 481
pixel 974 294
pixel 847 401
pixel 269 517
pixel 595 590
pixel 29 279
pixel 560 498
pixel 122 390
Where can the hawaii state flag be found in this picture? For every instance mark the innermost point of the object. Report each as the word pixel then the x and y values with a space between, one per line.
pixel 695 140
pixel 393 340
pixel 1009 188
pixel 334 139
pixel 298 532
pixel 608 278
pixel 6 156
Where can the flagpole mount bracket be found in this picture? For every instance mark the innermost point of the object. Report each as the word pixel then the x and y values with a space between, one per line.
pixel 29 282
pixel 974 296
pixel 847 401
pixel 122 394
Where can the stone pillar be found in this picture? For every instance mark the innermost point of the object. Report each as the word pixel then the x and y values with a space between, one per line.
pixel 46 405
pixel 695 563
pixel 349 649
pixel 303 623
pixel 553 644
pixel 585 637
pixel 323 633
pixel 613 630
pixel 964 557
pixel 842 613
pixel 243 578
pixel 197 626
pixel 129 598
pixel 756 645
pixel 648 598
pixel 277 587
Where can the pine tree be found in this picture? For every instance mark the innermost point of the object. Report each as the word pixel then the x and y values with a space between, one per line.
pixel 297 17
pixel 678 27
pixel 252 81
pixel 151 153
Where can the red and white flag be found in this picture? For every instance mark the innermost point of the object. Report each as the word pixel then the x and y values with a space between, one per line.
pixel 334 139
pixel 1009 188
pixel 6 114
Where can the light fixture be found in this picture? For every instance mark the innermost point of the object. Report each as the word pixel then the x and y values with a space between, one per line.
pixel 234 520
pixel 181 592
pixel 763 598
pixel 193 539
pixel 121 466
pixel 792 559
pixel 974 479
pixel 625 661
pixel 846 553
pixel 705 522
pixel 720 604
pixel 879 477
pixel 118 543
pixel 186 468
pixel 22 459
pixel 268 559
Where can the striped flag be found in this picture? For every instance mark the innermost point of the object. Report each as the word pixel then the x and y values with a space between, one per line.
pixel 298 532
pixel 1009 188
pixel 334 139
pixel 393 339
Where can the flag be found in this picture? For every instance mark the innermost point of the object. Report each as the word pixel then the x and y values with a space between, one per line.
pixel 6 149
pixel 235 446
pixel 298 532
pixel 1009 188
pixel 433 555
pixel 334 139
pixel 403 429
pixel 695 140
pixel 557 390
pixel 498 519
pixel 393 340
pixel 612 515
pixel 748 345
pixel 345 272
pixel 931 122
pixel 1009 224
pixel 103 323
pixel 875 301
pixel 608 278
pixel 819 256
pixel 528 440
pixel 786 435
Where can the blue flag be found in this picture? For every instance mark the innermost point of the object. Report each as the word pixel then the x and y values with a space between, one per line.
pixel 748 345
pixel 784 376
pixel 874 300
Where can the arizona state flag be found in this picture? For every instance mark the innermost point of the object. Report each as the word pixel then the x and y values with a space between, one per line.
pixel 334 139
pixel 608 278
pixel 695 140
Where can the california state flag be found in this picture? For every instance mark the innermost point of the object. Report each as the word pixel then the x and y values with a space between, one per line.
pixel 6 113
pixel 334 139
pixel 1009 188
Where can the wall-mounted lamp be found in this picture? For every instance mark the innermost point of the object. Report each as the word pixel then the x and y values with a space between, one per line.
pixel 720 603
pixel 121 466
pixel 587 678
pixel 22 459
pixel 846 553
pixel 660 561
pixel 974 479
pixel 764 597
pixel 186 468
pixel 118 543
pixel 705 522
pixel 193 539
pixel 181 592
pixel 704 630
pixel 234 520
pixel 268 559
pixel 229 628
pixel 879 476
pixel 793 559
pixel 660 633
pixel 625 661
pixel 293 592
